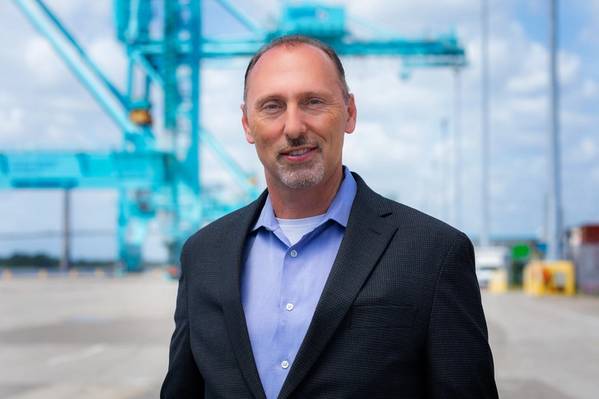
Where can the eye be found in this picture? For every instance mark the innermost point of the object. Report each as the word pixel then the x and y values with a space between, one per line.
pixel 314 102
pixel 271 107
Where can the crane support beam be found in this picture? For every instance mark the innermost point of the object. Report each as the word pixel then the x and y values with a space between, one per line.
pixel 241 17
pixel 65 170
pixel 66 47
pixel 447 48
pixel 242 177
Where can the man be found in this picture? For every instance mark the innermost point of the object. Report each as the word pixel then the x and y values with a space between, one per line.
pixel 321 288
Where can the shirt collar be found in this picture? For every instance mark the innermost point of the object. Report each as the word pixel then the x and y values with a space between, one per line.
pixel 338 210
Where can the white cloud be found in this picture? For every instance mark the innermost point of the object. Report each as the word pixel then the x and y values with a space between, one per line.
pixel 587 33
pixel 109 57
pixel 531 106
pixel 588 148
pixel 573 119
pixel 410 17
pixel 530 74
pixel 42 63
pixel 590 88
pixel 12 122
pixel 533 76
pixel 569 67
pixel 67 9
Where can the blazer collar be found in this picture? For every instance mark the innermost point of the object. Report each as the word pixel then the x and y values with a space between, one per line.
pixel 231 258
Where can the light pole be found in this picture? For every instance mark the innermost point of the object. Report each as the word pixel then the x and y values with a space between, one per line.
pixel 457 150
pixel 554 244
pixel 484 233
pixel 65 260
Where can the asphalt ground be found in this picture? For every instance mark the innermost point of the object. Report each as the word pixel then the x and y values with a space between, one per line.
pixel 544 347
pixel 93 336
pixel 85 336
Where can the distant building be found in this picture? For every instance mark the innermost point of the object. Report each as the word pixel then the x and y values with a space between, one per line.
pixel 583 249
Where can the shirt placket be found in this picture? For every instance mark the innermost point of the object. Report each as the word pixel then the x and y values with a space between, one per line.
pixel 290 303
pixel 283 337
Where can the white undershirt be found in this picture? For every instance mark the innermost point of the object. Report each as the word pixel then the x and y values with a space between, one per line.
pixel 295 229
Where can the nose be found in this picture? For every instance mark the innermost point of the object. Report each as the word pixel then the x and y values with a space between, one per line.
pixel 294 122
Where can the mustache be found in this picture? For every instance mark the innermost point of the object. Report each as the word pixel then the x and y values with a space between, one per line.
pixel 301 141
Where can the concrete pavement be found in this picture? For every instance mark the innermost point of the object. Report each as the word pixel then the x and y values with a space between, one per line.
pixel 103 337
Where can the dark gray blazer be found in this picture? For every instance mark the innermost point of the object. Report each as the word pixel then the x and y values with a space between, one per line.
pixel 400 315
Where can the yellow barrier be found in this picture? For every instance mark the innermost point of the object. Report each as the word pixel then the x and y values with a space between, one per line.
pixel 549 278
pixel 498 283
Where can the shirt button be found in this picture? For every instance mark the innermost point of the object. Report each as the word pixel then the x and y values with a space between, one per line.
pixel 289 307
pixel 285 364
pixel 293 253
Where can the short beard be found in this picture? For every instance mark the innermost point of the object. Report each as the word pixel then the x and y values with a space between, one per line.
pixel 302 177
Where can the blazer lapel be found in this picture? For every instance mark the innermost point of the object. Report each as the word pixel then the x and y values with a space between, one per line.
pixel 231 255
pixel 366 237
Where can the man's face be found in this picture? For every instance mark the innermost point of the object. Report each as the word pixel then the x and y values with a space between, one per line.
pixel 296 115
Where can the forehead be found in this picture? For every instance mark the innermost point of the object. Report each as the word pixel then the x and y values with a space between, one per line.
pixel 296 67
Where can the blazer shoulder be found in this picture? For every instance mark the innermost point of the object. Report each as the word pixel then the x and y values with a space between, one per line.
pixel 426 228
pixel 425 221
pixel 431 237
pixel 407 219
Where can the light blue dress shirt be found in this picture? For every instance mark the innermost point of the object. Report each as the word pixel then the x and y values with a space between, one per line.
pixel 282 283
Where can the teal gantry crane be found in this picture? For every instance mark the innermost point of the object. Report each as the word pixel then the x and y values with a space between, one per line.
pixel 165 47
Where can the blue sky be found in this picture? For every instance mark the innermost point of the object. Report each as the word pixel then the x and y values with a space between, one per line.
pixel 398 145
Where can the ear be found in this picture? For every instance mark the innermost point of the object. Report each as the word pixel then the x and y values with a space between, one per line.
pixel 246 126
pixel 352 113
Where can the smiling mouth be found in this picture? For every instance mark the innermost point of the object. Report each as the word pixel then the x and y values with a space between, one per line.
pixel 299 154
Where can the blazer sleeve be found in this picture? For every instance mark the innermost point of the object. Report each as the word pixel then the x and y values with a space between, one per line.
pixel 183 379
pixel 460 363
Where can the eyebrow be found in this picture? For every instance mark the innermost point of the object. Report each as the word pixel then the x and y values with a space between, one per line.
pixel 270 97
pixel 263 100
